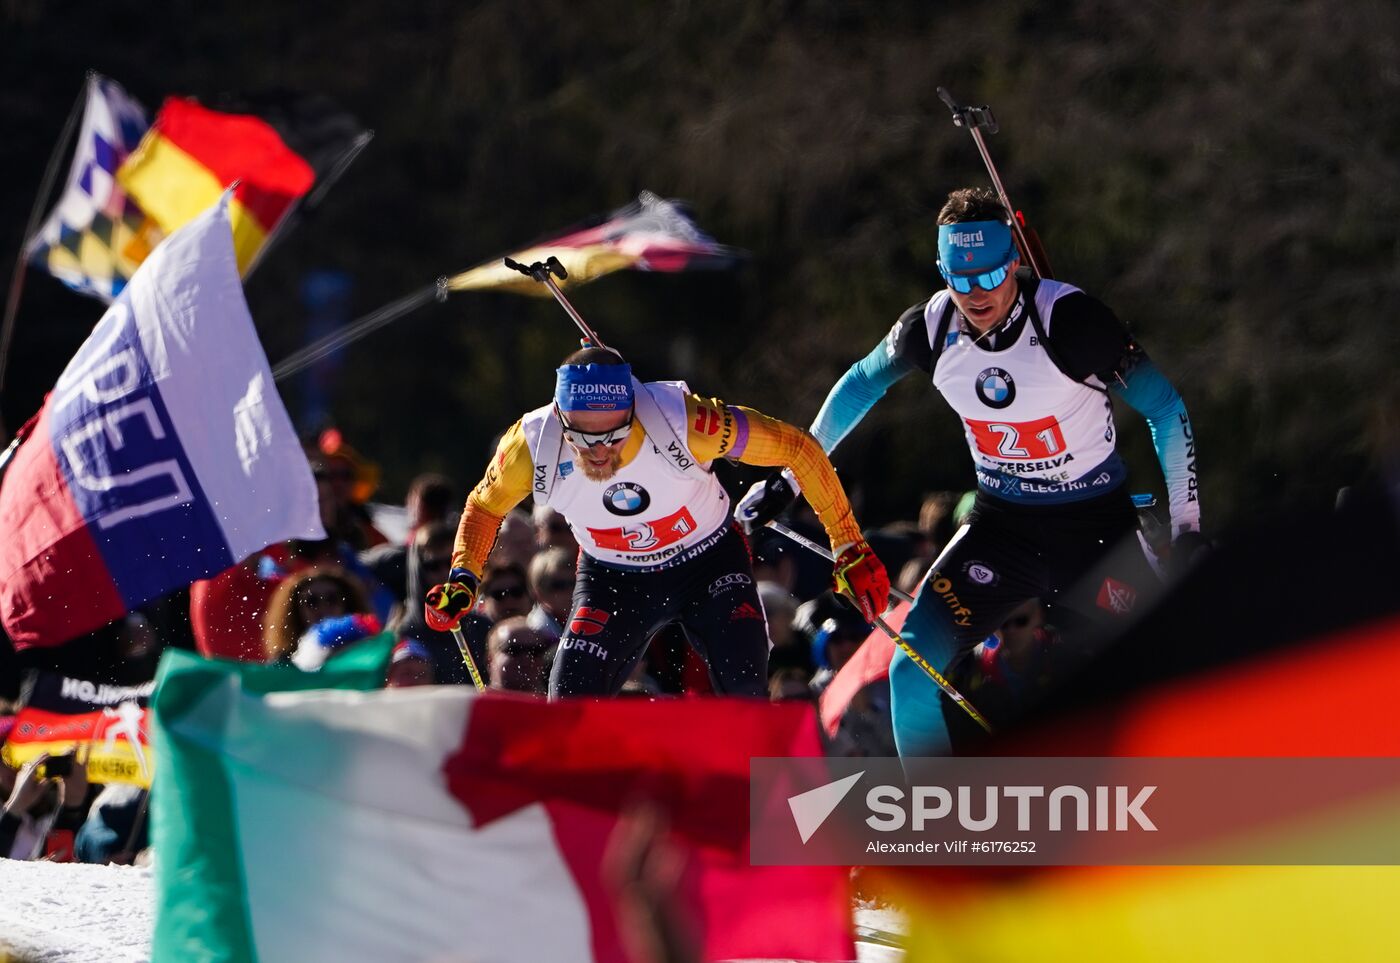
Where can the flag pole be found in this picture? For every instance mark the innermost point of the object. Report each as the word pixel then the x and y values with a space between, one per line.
pixel 9 452
pixel 304 358
pixel 310 200
pixel 36 213
pixel 341 166
pixel 25 430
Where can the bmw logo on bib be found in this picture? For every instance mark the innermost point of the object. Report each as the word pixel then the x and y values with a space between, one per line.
pixel 626 498
pixel 995 388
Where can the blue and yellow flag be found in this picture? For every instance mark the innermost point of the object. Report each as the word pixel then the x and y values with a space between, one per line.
pixel 96 235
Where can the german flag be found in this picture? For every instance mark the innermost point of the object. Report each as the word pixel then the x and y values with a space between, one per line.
pixel 1275 707
pixel 191 153
pixel 650 234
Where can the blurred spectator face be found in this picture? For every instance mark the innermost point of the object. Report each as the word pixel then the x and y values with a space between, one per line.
pixel 779 607
pixel 138 640
pixel 552 531
pixel 842 645
pixel 409 672
pixel 776 567
pixel 340 475
pixel 320 598
pixel 410 665
pixel 912 574
pixel 353 477
pixel 434 556
pixel 936 517
pixel 504 595
pixel 516 541
pixel 519 656
pixel 325 494
pixel 788 685
pixel 557 593
pixel 552 581
pixel 431 498
pixel 1018 632
pixel 304 599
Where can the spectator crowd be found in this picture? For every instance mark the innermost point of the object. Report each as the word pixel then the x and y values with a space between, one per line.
pixel 301 603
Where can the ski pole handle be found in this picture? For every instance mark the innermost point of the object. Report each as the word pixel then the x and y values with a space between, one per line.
pixel 969 117
pixel 544 272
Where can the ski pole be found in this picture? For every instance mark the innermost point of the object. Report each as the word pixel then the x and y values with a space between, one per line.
pixel 541 271
pixel 825 553
pixel 948 689
pixel 935 675
pixel 467 658
pixel 975 119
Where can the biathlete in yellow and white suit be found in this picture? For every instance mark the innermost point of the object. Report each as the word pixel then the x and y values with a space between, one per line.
pixel 629 466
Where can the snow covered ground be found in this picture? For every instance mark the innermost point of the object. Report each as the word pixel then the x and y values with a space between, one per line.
pixel 75 913
pixel 72 912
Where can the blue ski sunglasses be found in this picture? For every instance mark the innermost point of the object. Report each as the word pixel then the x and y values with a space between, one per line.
pixel 987 280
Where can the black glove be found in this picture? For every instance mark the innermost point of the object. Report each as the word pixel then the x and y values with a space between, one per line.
pixel 1189 548
pixel 765 501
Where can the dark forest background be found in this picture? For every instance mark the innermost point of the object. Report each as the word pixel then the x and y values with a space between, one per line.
pixel 1225 176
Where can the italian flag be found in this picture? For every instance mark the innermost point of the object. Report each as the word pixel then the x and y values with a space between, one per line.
pixel 436 824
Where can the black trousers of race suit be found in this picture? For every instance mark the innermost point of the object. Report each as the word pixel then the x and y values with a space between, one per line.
pixel 616 611
pixel 1081 559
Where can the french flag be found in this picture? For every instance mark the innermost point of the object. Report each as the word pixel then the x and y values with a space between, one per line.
pixel 163 455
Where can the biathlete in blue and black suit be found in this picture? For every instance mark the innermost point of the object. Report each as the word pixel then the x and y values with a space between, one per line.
pixel 1029 366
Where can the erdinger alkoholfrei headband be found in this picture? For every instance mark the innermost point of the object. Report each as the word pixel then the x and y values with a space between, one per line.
pixel 593 387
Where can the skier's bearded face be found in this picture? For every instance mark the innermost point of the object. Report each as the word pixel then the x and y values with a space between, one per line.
pixel 597 438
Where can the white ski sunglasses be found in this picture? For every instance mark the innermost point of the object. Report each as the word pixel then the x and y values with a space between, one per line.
pixel 587 439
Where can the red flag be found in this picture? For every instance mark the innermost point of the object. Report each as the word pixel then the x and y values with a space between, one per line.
pixel 587 759
pixel 871 663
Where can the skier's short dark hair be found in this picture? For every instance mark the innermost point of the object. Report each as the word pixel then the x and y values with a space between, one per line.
pixel 973 204
pixel 594 356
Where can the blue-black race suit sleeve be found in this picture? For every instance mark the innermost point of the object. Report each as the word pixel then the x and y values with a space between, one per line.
pixel 1091 340
pixel 903 350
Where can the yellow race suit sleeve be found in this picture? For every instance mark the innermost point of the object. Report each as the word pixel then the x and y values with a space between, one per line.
pixel 505 485
pixel 717 430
